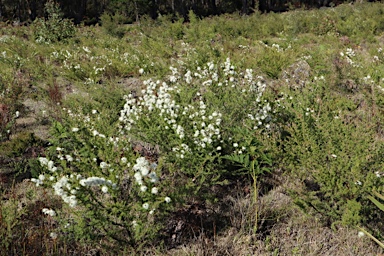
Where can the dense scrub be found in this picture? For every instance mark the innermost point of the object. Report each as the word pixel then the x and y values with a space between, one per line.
pixel 214 136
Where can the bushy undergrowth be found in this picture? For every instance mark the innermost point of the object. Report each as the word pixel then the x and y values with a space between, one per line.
pixel 166 147
pixel 12 81
pixel 151 119
pixel 335 154
pixel 54 28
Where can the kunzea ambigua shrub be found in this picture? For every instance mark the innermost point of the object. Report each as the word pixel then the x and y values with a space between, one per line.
pixel 120 180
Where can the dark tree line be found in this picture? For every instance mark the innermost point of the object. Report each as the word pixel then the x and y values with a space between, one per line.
pixel 89 11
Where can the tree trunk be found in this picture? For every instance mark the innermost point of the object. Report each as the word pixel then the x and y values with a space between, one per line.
pixel 213 7
pixel 244 7
pixel 153 9
pixel 136 11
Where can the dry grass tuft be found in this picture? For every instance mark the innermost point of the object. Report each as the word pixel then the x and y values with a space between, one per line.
pixel 283 229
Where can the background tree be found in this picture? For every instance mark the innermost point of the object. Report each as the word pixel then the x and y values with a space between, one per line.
pixel 89 11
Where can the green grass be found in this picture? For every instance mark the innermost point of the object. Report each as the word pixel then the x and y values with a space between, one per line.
pixel 317 154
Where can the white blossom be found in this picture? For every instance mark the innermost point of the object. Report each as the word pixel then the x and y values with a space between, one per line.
pixel 153 177
pixel 104 189
pixel 49 212
pixel 103 165
pixel 43 161
pixel 154 190
pixel 69 158
pixel 53 235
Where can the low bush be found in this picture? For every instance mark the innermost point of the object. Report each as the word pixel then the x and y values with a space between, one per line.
pixel 54 28
pixel 334 153
pixel 121 178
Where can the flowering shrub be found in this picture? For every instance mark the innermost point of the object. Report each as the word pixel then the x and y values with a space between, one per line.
pixel 110 192
pixel 168 141
pixel 196 116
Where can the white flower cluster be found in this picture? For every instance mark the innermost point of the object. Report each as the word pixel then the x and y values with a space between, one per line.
pixel 60 156
pixel 206 128
pixel 96 64
pixel 49 212
pixel 97 181
pixel 47 163
pixel 153 99
pixel 143 170
pixel 63 188
pixel 209 75
pixel 156 97
pixel 159 99
pixel 229 72
pixel 175 75
pixel 5 38
pixel 275 47
pixel 368 80
pixel 181 150
pixel 349 55
pixel 53 235
pixel 146 176
pixel 262 116
pixel 39 181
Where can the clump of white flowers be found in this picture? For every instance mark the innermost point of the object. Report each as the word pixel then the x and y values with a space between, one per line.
pixel 83 62
pixel 49 212
pixel 97 181
pixel 182 117
pixel 146 177
pixel 63 188
pixel 192 125
pixel 349 55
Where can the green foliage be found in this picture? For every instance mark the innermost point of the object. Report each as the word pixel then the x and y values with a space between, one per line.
pixel 272 60
pixel 376 202
pixel 9 223
pixel 23 227
pixel 374 199
pixel 351 22
pixel 91 163
pixel 334 154
pixel 55 28
pixel 115 208
pixel 194 149
pixel 18 145
pixel 253 162
pixel 10 97
pixel 113 24
pixel 205 123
